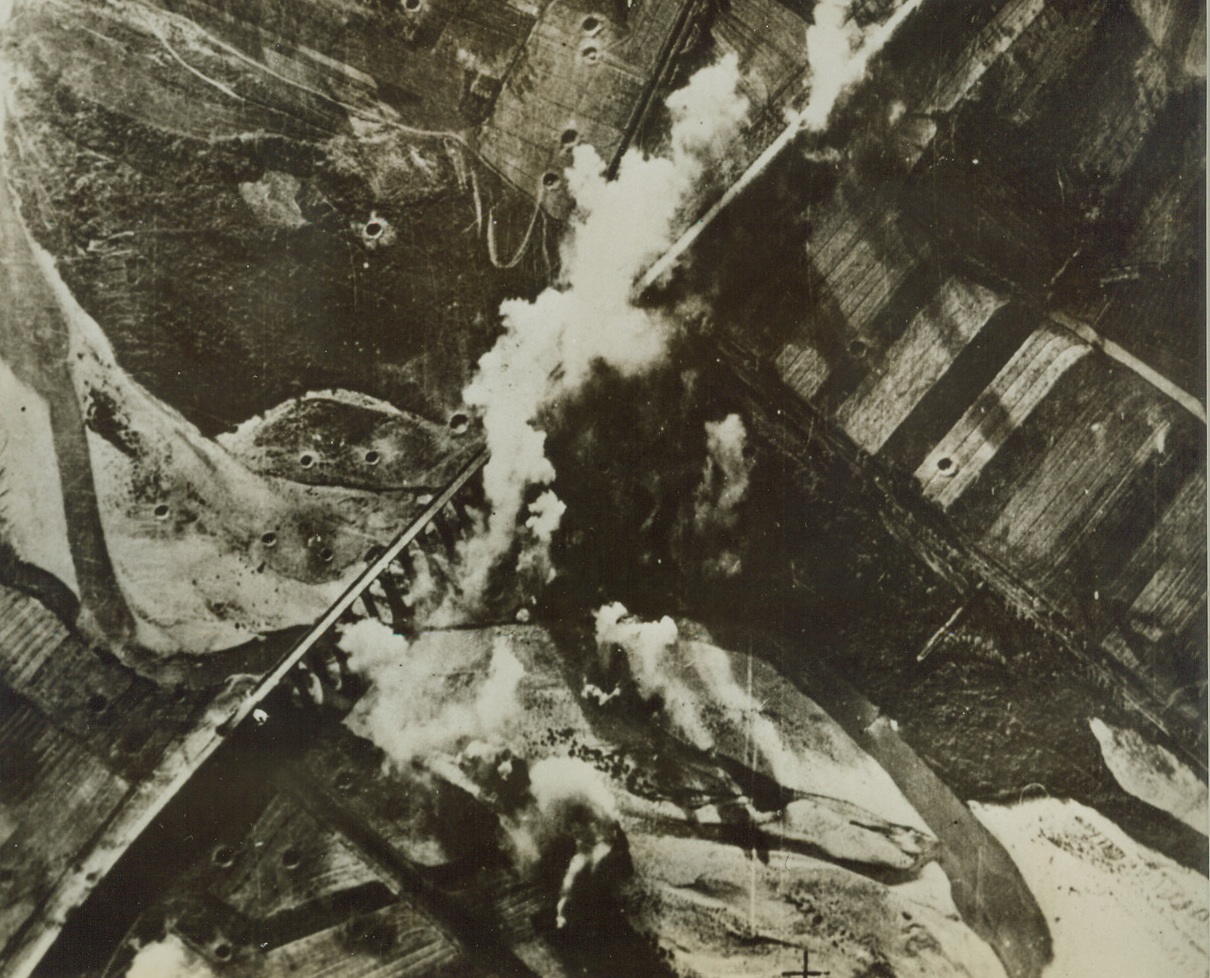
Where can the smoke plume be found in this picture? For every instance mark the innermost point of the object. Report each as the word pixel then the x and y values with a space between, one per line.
pixel 420 702
pixel 651 650
pixel 169 958
pixel 723 487
pixel 839 53
pixel 703 703
pixel 543 808
pixel 550 345
pixel 425 591
pixel 572 799
pixel 545 514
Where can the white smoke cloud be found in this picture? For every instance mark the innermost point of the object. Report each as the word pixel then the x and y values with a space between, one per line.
pixel 372 646
pixel 169 958
pixel 572 796
pixel 838 56
pixel 551 344
pixel 725 479
pixel 424 590
pixel 593 692
pixel 651 650
pixel 701 698
pixel 839 53
pixel 423 701
pixel 554 781
pixel 546 512
pixel 646 643
pixel 723 487
pixel 542 807
pixel 742 712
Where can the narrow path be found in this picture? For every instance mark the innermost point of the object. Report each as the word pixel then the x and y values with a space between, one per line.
pixel 34 344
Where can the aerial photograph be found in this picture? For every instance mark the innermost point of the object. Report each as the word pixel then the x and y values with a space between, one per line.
pixel 603 489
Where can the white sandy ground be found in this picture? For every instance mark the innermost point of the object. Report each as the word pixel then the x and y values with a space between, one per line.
pixel 1115 908
pixel 32 518
pixel 720 913
pixel 198 577
pixel 1154 774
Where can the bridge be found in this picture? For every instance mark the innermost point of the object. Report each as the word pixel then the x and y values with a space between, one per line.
pixel 132 745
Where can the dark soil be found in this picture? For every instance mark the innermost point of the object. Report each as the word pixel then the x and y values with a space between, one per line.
pixel 223 316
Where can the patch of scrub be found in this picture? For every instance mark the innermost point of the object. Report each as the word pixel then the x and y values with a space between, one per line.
pixel 341 437
pixel 1151 773
pixel 1116 909
pixel 273 199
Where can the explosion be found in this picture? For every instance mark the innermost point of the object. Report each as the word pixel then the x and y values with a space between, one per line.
pixel 424 701
pixel 587 317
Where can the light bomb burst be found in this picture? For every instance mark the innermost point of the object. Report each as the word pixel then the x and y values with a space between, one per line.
pixel 839 53
pixel 169 958
pixel 700 699
pixel 572 798
pixel 654 664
